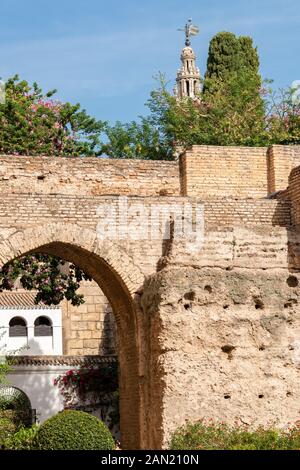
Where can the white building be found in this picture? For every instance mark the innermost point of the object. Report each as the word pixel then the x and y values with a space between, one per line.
pixel 33 335
pixel 27 329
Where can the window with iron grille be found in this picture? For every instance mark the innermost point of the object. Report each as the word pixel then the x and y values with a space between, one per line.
pixel 17 327
pixel 43 327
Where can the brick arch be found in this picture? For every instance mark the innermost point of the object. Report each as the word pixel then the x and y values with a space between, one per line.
pixel 112 268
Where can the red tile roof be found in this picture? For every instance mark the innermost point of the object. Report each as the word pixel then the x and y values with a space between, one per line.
pixel 21 300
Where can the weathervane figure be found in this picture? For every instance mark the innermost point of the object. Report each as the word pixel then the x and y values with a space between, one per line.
pixel 190 30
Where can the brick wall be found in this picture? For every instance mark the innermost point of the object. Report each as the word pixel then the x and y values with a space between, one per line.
pixel 89 329
pixel 281 160
pixel 247 212
pixel 203 171
pixel 209 171
pixel 243 172
pixel 87 176
pixel 29 210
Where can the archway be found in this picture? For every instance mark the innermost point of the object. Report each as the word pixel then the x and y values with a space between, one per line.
pixel 15 400
pixel 119 279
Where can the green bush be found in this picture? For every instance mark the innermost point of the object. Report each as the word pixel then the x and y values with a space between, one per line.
pixel 73 430
pixel 219 436
pixel 7 428
pixel 10 422
pixel 23 439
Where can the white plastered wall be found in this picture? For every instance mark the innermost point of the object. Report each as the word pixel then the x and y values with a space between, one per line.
pixel 32 345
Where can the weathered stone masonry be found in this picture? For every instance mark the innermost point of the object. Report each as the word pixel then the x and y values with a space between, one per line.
pixel 216 333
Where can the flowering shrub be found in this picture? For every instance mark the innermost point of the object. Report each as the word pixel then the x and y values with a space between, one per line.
pixel 87 384
pixel 33 123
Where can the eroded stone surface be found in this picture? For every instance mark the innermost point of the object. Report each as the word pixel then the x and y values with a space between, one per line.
pixel 225 345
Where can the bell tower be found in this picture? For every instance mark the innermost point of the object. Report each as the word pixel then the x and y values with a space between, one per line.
pixel 188 76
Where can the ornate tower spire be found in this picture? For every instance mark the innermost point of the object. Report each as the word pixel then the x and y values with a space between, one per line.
pixel 188 76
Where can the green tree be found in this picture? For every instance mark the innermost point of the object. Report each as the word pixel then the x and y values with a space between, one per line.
pixel 52 278
pixel 136 140
pixel 235 108
pixel 232 90
pixel 229 116
pixel 33 123
pixel 283 116
pixel 229 54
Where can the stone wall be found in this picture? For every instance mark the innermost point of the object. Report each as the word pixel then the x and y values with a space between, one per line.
pixel 282 159
pixel 87 176
pixel 233 211
pixel 89 329
pixel 294 195
pixel 209 171
pixel 224 346
pixel 242 172
pixel 204 171
pixel 26 210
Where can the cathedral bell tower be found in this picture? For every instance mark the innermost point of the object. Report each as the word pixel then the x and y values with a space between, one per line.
pixel 188 76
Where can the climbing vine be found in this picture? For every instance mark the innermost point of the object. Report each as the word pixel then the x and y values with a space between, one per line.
pixel 87 384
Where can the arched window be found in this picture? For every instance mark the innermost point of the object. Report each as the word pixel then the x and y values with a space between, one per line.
pixel 43 327
pixel 17 327
pixel 188 88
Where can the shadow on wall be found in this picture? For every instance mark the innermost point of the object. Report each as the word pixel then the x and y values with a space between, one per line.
pixel 108 344
pixel 283 217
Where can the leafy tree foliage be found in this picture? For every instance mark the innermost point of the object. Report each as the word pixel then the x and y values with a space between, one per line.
pixel 235 108
pixel 232 89
pixel 283 116
pixel 136 140
pixel 228 55
pixel 33 123
pixel 52 278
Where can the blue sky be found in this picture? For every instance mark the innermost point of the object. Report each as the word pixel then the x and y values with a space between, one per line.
pixel 104 54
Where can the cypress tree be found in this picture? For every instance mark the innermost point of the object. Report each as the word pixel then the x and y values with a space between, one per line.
pixel 232 85
pixel 229 54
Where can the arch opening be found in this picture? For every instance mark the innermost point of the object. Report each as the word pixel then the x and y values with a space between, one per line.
pixel 102 266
